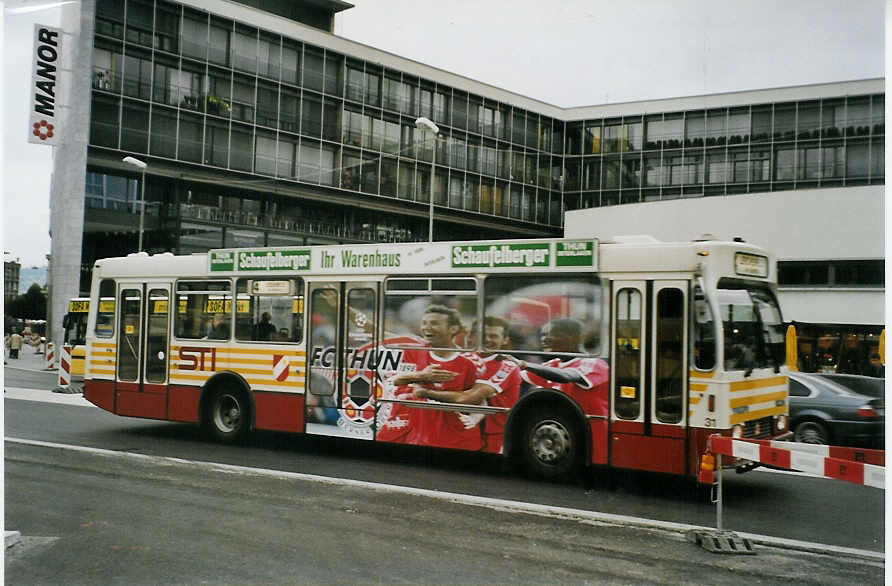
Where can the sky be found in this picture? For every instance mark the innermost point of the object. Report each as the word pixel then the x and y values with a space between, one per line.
pixel 567 53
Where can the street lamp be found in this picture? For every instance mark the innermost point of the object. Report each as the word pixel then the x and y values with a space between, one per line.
pixel 142 193
pixel 425 124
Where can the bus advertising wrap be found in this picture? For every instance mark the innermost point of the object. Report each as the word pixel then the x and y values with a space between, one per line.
pixel 502 256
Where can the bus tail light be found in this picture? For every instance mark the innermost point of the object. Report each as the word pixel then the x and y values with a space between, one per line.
pixel 710 403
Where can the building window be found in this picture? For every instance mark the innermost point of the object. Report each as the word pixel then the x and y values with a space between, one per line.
pixel 838 273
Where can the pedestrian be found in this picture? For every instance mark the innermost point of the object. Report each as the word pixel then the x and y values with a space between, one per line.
pixel 15 344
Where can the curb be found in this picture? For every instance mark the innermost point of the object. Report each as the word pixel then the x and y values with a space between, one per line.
pixel 12 538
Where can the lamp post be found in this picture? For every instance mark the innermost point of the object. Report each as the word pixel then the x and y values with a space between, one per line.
pixel 142 193
pixel 425 124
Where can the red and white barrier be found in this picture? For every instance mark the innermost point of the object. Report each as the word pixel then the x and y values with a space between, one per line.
pixel 65 366
pixel 50 356
pixel 860 466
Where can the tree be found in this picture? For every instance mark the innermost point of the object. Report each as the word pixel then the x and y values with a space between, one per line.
pixel 31 305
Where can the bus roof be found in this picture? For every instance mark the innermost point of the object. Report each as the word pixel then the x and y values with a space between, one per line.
pixel 457 257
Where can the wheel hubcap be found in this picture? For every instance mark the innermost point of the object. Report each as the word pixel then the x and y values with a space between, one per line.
pixel 227 414
pixel 550 442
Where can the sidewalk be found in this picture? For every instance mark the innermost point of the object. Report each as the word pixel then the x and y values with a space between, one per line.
pixel 29 360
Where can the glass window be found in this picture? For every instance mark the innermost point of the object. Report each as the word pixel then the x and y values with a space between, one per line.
pixel 670 373
pixel 218 46
pixel 313 69
pixel 129 334
pixel 627 354
pixel 199 238
pixel 591 142
pixel 244 50
pixel 204 310
pixel 194 36
pixel 752 325
pixel 536 307
pixel 156 335
pixel 704 333
pixel 434 313
pixel 105 316
pixel 269 310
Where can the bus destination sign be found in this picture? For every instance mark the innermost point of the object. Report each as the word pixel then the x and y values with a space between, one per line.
pixel 410 258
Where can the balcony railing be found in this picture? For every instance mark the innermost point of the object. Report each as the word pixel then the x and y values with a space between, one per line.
pixel 322 228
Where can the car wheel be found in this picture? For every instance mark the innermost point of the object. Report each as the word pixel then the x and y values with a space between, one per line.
pixel 227 415
pixel 551 444
pixel 811 432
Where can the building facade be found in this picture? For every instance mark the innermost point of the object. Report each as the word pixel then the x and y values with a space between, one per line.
pixel 261 128
pixel 11 273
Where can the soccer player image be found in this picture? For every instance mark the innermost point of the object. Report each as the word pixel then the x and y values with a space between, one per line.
pixel 443 367
pixel 499 386
pixel 584 379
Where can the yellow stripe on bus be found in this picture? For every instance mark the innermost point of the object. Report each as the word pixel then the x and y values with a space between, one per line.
pixel 104 344
pixel 699 387
pixel 694 400
pixel 698 374
pixel 254 381
pixel 239 350
pixel 741 417
pixel 746 385
pixel 755 399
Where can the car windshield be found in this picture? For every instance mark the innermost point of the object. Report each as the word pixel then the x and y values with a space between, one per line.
pixel 752 326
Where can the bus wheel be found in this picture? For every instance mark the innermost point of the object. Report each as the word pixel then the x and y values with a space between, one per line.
pixel 550 444
pixel 227 415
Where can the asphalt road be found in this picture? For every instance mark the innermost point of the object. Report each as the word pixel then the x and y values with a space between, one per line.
pixel 100 518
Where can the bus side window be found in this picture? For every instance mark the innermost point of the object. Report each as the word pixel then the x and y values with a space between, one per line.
pixel 105 314
pixel 704 333
pixel 269 310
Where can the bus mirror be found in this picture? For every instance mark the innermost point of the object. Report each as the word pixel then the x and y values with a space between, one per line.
pixel 65 321
pixel 792 349
pixel 271 287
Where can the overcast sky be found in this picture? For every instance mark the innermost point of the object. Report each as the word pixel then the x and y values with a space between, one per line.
pixel 565 52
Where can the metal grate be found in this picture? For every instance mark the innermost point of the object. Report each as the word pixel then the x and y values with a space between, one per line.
pixel 758 428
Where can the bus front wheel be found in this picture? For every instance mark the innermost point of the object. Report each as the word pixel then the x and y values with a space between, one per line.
pixel 551 444
pixel 227 415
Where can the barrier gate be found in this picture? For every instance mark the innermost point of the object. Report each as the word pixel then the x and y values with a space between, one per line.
pixel 855 465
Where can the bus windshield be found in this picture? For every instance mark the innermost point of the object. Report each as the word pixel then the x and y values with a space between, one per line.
pixel 76 328
pixel 752 326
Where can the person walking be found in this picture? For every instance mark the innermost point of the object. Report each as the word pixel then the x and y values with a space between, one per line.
pixel 15 344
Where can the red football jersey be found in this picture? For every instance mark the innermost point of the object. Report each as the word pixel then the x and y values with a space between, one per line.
pixel 443 429
pixel 592 396
pixel 504 377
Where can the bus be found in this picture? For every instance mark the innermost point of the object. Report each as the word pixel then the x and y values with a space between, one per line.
pixel 555 353
pixel 74 325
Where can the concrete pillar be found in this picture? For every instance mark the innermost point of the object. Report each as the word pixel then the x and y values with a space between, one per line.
pixel 70 164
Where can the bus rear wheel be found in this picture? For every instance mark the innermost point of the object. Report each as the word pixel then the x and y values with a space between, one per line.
pixel 551 444
pixel 227 415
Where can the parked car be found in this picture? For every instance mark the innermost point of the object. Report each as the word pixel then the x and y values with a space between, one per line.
pixel 857 383
pixel 822 411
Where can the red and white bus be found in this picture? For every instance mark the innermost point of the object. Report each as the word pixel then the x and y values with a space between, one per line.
pixel 554 352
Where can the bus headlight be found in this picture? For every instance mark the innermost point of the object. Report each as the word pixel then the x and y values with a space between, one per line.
pixel 781 422
pixel 737 431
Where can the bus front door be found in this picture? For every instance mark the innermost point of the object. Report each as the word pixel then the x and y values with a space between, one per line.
pixel 143 328
pixel 649 382
pixel 341 365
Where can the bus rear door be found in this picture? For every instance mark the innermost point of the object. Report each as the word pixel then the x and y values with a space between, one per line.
pixel 142 361
pixel 649 382
pixel 341 358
